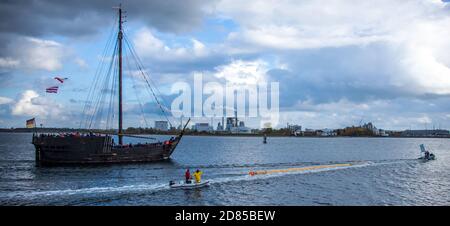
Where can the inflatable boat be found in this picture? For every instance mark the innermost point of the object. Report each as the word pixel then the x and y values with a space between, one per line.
pixel 427 155
pixel 184 185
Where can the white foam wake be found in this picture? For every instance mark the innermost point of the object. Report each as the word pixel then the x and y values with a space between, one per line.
pixel 164 186
pixel 248 177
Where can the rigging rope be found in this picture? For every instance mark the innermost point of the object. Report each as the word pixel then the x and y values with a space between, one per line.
pixel 100 88
pixel 100 67
pixel 112 100
pixel 139 66
pixel 145 73
pixel 135 92
pixel 105 80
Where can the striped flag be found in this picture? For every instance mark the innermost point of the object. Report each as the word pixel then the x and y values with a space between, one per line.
pixel 53 89
pixel 31 123
pixel 61 80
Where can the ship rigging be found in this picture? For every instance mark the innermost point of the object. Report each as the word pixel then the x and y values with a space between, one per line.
pixel 105 94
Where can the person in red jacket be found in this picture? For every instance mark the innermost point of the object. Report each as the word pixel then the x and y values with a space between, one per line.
pixel 188 177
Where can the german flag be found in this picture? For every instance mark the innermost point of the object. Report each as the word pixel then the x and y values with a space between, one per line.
pixel 31 123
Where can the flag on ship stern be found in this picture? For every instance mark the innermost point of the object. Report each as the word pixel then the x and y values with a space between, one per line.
pixel 31 123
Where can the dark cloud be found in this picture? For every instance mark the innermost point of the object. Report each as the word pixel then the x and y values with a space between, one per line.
pixel 74 18
pixel 355 73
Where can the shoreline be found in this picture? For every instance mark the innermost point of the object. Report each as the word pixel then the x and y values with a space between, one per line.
pixel 232 135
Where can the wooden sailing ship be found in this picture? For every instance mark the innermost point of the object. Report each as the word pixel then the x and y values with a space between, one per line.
pixel 90 148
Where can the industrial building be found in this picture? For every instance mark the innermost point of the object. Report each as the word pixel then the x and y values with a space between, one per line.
pixel 202 127
pixel 161 125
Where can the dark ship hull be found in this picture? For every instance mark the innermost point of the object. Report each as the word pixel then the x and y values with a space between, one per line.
pixel 77 150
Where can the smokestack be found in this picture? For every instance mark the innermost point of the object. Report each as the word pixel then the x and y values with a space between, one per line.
pixel 235 117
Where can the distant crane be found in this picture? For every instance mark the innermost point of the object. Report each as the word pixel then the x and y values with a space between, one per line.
pixel 360 121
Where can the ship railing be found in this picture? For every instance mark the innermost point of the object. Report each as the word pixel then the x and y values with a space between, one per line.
pixel 70 135
pixel 126 146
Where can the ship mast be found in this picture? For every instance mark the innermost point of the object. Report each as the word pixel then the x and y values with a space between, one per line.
pixel 120 36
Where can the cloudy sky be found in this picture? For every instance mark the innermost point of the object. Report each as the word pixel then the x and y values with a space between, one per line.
pixel 338 62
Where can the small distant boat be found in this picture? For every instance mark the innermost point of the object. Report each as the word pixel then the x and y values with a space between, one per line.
pixel 431 157
pixel 184 185
pixel 427 155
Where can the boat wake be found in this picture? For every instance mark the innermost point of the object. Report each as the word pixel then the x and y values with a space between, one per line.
pixel 284 172
pixel 225 178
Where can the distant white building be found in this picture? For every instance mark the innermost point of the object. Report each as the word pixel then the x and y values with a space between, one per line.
pixel 161 125
pixel 372 128
pixel 296 130
pixel 234 126
pixel 242 128
pixel 328 133
pixel 203 127
pixel 383 133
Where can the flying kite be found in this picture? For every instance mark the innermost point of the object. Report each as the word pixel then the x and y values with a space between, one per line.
pixel 61 80
pixel 53 89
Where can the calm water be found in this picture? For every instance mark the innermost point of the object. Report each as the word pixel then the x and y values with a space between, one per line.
pixel 385 171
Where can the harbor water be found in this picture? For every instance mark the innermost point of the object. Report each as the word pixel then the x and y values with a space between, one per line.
pixel 375 171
